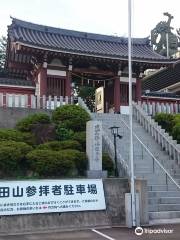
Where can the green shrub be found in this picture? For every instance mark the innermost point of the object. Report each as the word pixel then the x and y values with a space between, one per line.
pixel 176 132
pixel 63 134
pixel 79 159
pixel 176 119
pixel 25 124
pixel 15 135
pixel 71 117
pixel 12 158
pixel 107 164
pixel 48 163
pixel 57 146
pixel 43 132
pixel 81 138
pixel 165 121
pixel 11 134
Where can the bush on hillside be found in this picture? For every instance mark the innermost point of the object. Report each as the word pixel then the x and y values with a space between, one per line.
pixel 79 159
pixel 107 164
pixel 63 134
pixel 165 121
pixel 17 136
pixel 176 119
pixel 43 132
pixel 57 145
pixel 71 117
pixel 11 134
pixel 25 124
pixel 48 163
pixel 12 158
pixel 81 138
pixel 176 132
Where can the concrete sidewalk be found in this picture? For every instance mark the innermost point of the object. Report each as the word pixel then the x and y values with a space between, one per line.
pixel 97 234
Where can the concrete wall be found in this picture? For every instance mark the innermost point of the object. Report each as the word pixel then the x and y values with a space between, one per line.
pixel 115 190
pixel 10 116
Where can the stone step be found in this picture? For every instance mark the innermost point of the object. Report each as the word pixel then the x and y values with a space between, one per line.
pixel 159 194
pixel 164 207
pixel 169 187
pixel 164 215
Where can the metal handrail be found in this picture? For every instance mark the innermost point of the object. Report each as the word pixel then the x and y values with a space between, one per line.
pixel 158 130
pixel 154 158
pixel 123 162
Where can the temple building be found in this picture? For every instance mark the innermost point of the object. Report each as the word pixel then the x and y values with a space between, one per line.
pixel 44 60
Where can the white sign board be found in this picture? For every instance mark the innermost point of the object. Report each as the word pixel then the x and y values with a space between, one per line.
pixel 99 100
pixel 44 196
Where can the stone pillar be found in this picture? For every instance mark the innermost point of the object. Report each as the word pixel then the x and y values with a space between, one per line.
pixel 68 81
pixel 117 94
pixel 142 188
pixel 42 79
pixel 94 149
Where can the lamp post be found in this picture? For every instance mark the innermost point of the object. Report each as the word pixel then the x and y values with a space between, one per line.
pixel 114 131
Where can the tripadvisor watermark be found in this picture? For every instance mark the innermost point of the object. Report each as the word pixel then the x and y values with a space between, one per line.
pixel 139 231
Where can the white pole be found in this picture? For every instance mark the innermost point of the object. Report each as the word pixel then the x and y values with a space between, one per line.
pixel 167 45
pixel 130 117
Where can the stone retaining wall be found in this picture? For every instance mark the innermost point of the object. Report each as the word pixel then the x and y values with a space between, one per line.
pixel 114 189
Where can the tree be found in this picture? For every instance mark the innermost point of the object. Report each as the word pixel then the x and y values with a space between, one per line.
pixel 88 95
pixel 3 43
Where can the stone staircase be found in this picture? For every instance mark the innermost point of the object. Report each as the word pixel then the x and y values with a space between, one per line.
pixel 151 162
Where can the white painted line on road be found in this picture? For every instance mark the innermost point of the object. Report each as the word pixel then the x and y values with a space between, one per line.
pixel 103 235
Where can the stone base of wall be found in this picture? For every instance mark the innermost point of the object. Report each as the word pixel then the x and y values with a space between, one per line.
pixel 10 116
pixel 114 189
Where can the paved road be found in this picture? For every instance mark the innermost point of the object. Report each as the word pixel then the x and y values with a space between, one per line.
pixel 102 234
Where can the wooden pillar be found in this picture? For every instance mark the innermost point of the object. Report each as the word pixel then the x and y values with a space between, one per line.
pixel 117 94
pixel 68 81
pixel 42 79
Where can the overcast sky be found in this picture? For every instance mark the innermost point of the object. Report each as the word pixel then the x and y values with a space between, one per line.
pixel 97 16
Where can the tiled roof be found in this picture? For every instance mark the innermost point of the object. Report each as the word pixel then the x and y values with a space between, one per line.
pixel 75 42
pixel 16 82
pixel 162 79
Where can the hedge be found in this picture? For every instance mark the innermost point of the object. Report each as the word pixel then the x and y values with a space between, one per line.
pixel 71 117
pixel 12 158
pixel 81 138
pixel 25 124
pixel 79 158
pixel 57 145
pixel 165 121
pixel 176 132
pixel 63 134
pixel 48 163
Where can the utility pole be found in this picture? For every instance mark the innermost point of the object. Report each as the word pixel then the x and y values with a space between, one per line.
pixel 133 200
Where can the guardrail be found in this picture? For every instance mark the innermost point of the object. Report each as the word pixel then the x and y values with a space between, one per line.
pixel 110 149
pixel 152 107
pixel 167 143
pixel 154 159
pixel 32 101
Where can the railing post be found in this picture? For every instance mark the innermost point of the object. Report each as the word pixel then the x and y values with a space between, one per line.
pixel 1 99
pixel 13 100
pixel 38 101
pixel 55 102
pixel 61 100
pixel 49 102
pixel 44 102
pixel 66 99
